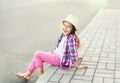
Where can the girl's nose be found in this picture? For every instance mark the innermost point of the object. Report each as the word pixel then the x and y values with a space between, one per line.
pixel 65 27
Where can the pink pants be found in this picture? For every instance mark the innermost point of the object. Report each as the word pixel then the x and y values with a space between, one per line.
pixel 40 57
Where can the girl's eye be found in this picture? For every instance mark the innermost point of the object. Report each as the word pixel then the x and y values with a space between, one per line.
pixel 63 24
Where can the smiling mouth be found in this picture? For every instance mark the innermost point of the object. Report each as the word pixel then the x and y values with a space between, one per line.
pixel 65 31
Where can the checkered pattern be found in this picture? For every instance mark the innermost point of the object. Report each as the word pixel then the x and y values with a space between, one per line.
pixel 70 53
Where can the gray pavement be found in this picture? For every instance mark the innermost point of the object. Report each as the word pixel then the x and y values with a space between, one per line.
pixel 26 26
pixel 100 51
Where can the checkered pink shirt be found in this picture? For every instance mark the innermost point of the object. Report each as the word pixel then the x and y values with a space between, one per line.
pixel 70 53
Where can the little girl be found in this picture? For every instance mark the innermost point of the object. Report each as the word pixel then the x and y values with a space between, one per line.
pixel 64 55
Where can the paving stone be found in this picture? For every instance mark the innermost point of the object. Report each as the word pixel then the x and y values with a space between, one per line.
pixel 111 59
pixel 104 75
pixel 86 58
pixel 80 81
pixel 117 80
pixel 96 54
pixel 91 49
pixel 80 72
pixel 65 71
pixel 106 47
pixel 117 54
pixel 104 71
pixel 81 53
pixel 101 66
pixel 117 67
pixel 105 50
pixel 98 49
pixel 94 59
pixel 89 63
pixel 110 66
pixel 108 80
pixel 45 77
pixel 52 82
pixel 107 60
pixel 89 72
pixel 117 51
pixel 117 74
pixel 89 78
pixel 92 67
pixel 65 78
pixel 56 77
pixel 111 55
pixel 117 60
pixel 104 54
pixel 98 80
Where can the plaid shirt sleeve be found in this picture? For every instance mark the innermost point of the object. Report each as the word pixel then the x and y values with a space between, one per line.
pixel 72 44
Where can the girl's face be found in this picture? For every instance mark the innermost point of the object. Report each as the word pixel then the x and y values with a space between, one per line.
pixel 67 28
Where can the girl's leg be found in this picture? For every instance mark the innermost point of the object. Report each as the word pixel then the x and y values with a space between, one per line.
pixel 37 62
pixel 40 71
pixel 25 76
pixel 48 57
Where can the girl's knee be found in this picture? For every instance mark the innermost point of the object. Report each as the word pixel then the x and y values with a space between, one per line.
pixel 37 54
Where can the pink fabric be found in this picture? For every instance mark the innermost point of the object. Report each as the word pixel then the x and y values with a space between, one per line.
pixel 40 57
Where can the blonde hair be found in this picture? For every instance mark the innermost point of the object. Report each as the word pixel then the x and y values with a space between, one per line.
pixel 78 41
pixel 77 38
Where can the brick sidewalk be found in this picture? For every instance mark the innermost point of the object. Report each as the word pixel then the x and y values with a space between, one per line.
pixel 100 50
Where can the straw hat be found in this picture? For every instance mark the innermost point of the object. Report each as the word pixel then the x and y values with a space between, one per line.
pixel 73 20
